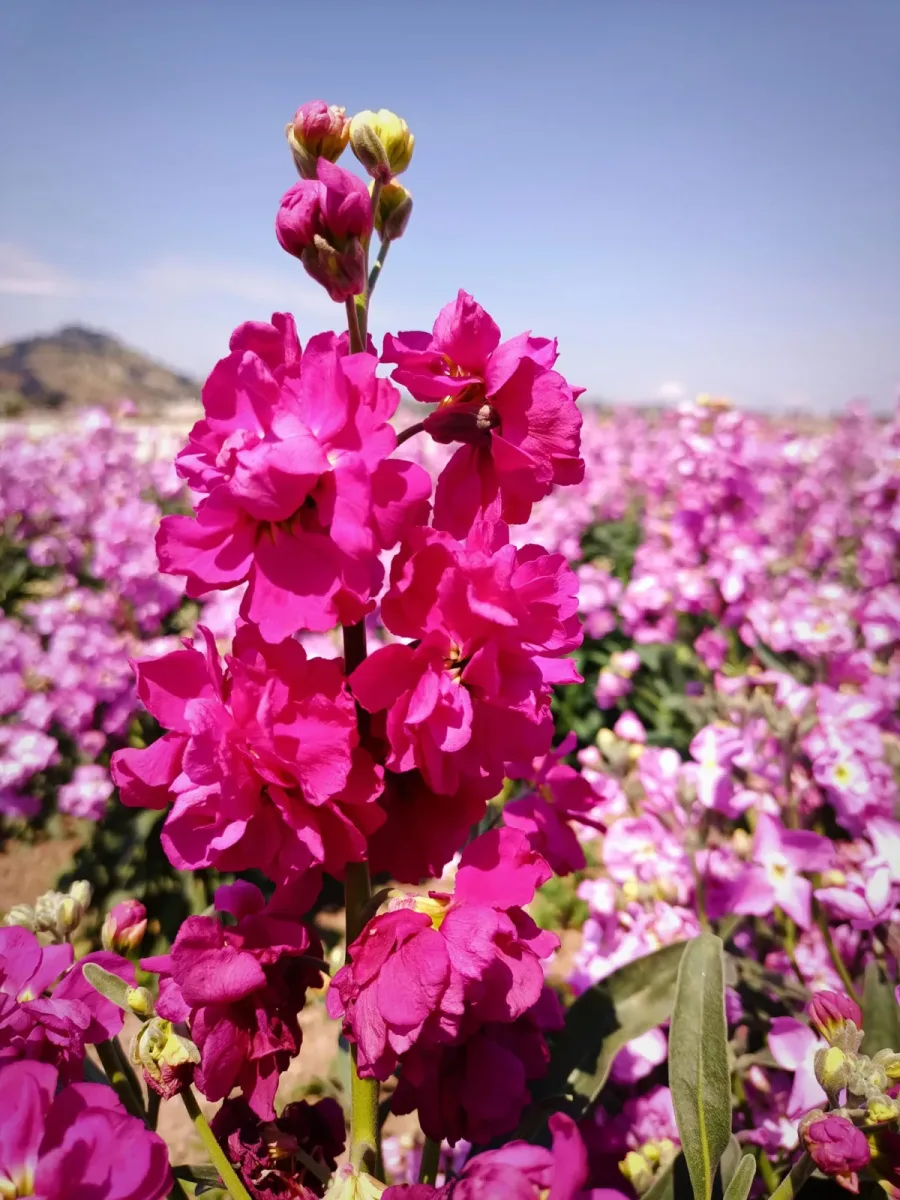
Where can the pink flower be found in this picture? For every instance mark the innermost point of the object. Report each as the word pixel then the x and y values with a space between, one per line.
pixel 76 1142
pixel 630 728
pixel 867 903
pixel 299 499
pixel 262 760
pixel 793 1046
pixel 837 1148
pixel 476 1090
pixel 432 971
pixel 780 856
pixel 423 829
pixel 561 794
pixel 318 130
pixel 517 1171
pixel 87 793
pixel 325 222
pixel 516 417
pixel 240 987
pixel 473 692
pixel 265 1154
pixel 53 1028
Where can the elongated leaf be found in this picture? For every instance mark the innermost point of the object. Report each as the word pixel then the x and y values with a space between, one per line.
pixel 672 1183
pixel 742 1180
pixel 730 1161
pixel 107 984
pixel 698 1061
pixel 626 1004
pixel 881 1013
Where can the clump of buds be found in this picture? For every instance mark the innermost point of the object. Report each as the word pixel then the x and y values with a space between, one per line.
pixel 124 927
pixel 318 130
pixel 55 915
pixel 642 1167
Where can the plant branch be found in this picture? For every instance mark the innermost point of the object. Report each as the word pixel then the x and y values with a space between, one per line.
pixel 356 335
pixel 795 1179
pixel 834 954
pixel 379 263
pixel 431 1161
pixel 410 432
pixel 217 1156
pixel 110 1061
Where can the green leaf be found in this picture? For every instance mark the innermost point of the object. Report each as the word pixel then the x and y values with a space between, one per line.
pixel 628 1003
pixel 107 984
pixel 881 1013
pixel 699 1075
pixel 742 1180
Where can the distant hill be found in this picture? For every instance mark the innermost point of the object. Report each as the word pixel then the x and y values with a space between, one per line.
pixel 77 368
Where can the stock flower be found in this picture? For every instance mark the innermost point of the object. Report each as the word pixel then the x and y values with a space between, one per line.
pixel 516 417
pixel 517 1171
pixel 262 760
pixel 837 1148
pixel 430 970
pixel 476 1090
pixel 560 794
pixel 53 1028
pixel 299 499
pixel 266 1152
pixel 240 987
pixel 382 143
pixel 318 130
pixel 794 1047
pixel 76 1142
pixel 325 222
pixel 780 856
pixel 472 692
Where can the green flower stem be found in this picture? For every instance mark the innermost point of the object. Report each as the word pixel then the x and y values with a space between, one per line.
pixel 431 1161
pixel 354 326
pixel 178 1192
pixel 410 432
pixel 834 954
pixel 379 263
pixel 358 896
pixel 794 1180
pixel 110 1061
pixel 217 1156
pixel 128 1071
pixel 767 1172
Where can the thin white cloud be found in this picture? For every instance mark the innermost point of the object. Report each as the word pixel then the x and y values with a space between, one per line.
pixel 670 391
pixel 22 274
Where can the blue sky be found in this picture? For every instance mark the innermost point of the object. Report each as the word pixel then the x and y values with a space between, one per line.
pixel 694 195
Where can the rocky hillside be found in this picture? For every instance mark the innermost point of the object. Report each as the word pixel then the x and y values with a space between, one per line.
pixel 77 368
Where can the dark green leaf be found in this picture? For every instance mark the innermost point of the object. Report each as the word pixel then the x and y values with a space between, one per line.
pixel 742 1180
pixel 881 1013
pixel 698 1061
pixel 626 1004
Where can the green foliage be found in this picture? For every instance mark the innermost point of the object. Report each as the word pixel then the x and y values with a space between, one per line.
pixel 881 1013
pixel 742 1180
pixel 628 1003
pixel 699 1074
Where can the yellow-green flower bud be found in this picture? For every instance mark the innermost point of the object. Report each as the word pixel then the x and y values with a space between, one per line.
pixel 832 1068
pixel 393 211
pixel 140 1002
pixel 382 143
pixel 350 1184
pixel 882 1109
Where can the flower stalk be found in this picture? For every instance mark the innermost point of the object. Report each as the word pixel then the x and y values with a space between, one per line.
pixel 217 1156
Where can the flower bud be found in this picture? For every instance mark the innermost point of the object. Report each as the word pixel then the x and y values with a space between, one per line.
pixel 81 891
pixel 880 1110
pixel 638 1171
pixel 325 222
pixel 350 1184
pixel 167 1058
pixel 838 1019
pixel 837 1148
pixel 124 927
pixel 140 1002
pixel 393 212
pixel 22 915
pixel 889 1061
pixel 832 1068
pixel 382 143
pixel 318 130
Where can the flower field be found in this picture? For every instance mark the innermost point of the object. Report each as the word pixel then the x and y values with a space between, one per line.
pixel 547 758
